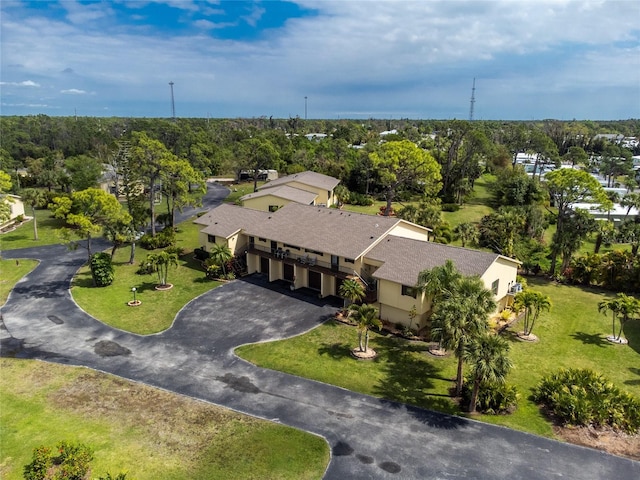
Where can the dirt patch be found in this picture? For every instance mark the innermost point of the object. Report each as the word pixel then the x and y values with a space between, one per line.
pixel 607 440
pixel 176 425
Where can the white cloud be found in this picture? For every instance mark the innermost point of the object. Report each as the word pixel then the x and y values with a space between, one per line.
pixel 351 57
pixel 73 91
pixel 25 83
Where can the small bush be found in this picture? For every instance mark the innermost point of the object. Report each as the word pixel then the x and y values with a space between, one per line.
pixel 450 207
pixel 213 271
pixel 493 398
pixel 70 463
pixel 20 219
pixel 179 251
pixel 201 254
pixel 583 397
pixel 145 268
pixel 102 269
pixel 360 199
pixel 164 239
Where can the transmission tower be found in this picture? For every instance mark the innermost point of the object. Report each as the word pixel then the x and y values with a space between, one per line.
pixel 473 99
pixel 173 104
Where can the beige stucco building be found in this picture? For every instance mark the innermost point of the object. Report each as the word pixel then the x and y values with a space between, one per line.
pixel 318 248
pixel 307 188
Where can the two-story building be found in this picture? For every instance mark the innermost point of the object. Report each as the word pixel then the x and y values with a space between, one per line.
pixel 318 248
pixel 307 188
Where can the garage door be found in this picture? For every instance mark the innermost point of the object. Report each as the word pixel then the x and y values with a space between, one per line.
pixel 315 280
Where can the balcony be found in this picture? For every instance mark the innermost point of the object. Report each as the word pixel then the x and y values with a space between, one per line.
pixel 306 261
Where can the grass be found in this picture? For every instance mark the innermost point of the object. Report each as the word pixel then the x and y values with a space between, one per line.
pixel 22 237
pixel 147 433
pixel 159 308
pixel 11 271
pixel 573 334
pixel 240 190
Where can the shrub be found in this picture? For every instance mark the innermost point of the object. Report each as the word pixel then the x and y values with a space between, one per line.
pixel 201 254
pixel 145 268
pixel 20 218
pixel 102 269
pixel 164 239
pixel 70 463
pixel 213 271
pixel 450 207
pixel 360 199
pixel 583 397
pixel 493 398
pixel 179 251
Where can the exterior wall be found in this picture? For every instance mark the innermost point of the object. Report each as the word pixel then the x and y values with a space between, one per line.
pixel 17 206
pixel 232 242
pixel 505 272
pixel 410 231
pixel 263 203
pixel 324 196
pixel 394 307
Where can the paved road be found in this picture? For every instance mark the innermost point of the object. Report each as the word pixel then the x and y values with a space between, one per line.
pixel 369 437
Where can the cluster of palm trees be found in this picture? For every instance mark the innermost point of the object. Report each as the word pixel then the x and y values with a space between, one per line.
pixel 459 322
pixel 533 303
pixel 365 315
pixel 160 263
pixel 622 307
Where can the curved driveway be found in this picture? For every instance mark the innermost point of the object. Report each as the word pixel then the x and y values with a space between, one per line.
pixel 369 437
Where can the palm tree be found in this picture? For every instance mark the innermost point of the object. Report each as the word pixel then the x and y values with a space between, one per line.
pixel 221 254
pixel 366 317
pixel 622 307
pixel 161 263
pixel 352 291
pixel 34 198
pixel 438 282
pixel 533 303
pixel 467 232
pixel 488 362
pixel 462 317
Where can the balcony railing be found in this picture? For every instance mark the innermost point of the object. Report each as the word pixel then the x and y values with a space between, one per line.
pixel 306 259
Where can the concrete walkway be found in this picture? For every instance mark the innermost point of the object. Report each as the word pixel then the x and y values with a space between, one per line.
pixel 369 437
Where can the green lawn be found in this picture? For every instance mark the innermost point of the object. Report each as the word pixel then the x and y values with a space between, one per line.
pixel 145 432
pixel 22 237
pixel 240 190
pixel 159 308
pixel 571 335
pixel 10 272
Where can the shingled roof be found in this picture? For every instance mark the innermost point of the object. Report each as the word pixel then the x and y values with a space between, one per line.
pixel 312 179
pixel 405 258
pixel 327 230
pixel 285 192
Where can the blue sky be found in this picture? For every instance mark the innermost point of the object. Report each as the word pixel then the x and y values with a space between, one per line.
pixel 538 59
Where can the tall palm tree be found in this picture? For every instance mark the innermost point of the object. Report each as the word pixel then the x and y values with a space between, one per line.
pixel 366 317
pixel 221 254
pixel 488 362
pixel 439 282
pixel 352 291
pixel 34 198
pixel 462 317
pixel 612 305
pixel 533 303
pixel 161 262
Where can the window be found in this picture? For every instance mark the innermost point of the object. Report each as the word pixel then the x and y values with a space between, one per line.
pixel 211 238
pixel 263 240
pixel 308 250
pixel 349 260
pixel 494 287
pixel 409 291
pixel 286 245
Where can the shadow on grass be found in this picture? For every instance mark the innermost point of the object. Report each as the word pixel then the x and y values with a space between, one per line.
pixel 336 350
pixel 591 339
pixel 409 376
pixel 632 334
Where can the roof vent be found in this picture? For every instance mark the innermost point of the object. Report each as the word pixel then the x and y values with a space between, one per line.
pixel 371 237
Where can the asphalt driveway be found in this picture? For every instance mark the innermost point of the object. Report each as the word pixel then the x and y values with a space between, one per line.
pixel 369 437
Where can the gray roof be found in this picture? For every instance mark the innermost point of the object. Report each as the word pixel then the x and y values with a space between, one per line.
pixel 405 258
pixel 312 179
pixel 285 192
pixel 327 230
pixel 227 219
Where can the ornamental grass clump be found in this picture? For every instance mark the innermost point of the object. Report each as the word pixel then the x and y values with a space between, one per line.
pixel 583 397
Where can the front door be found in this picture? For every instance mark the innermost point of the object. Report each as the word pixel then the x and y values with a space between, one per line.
pixel 288 272
pixel 264 265
pixel 335 263
pixel 315 280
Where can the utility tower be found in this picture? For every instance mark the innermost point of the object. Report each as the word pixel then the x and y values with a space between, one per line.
pixel 173 104
pixel 473 99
